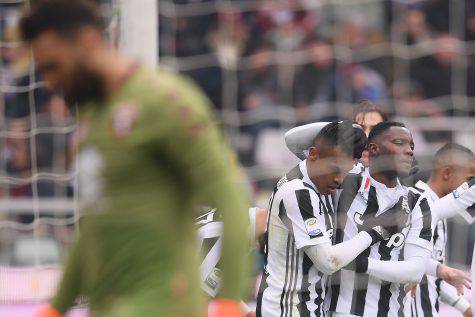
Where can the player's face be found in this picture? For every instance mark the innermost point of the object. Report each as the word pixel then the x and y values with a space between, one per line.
pixel 368 120
pixel 395 151
pixel 331 166
pixel 62 63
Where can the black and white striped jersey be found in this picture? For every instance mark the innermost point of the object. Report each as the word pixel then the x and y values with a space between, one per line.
pixel 360 294
pixel 210 228
pixel 299 216
pixel 426 299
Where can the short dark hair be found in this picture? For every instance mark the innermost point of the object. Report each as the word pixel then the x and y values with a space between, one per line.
pixel 350 137
pixel 452 148
pixel 365 106
pixel 65 17
pixel 382 127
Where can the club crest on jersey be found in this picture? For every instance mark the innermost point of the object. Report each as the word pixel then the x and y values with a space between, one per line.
pixel 311 227
pixel 214 279
pixel 124 117
pixel 460 190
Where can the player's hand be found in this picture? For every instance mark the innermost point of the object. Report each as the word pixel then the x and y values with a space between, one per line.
pixel 411 288
pixel 468 313
pixel 225 308
pixel 48 311
pixel 383 226
pixel 454 277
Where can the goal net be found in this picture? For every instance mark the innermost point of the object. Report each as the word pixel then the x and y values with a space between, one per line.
pixel 267 66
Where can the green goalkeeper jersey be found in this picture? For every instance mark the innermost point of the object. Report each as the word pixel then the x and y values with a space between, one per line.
pixel 159 155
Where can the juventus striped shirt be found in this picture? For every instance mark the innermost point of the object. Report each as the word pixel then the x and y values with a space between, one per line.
pixel 210 228
pixel 299 216
pixel 360 294
pixel 426 300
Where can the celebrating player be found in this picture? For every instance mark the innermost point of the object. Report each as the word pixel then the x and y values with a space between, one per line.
pixel 371 286
pixel 299 253
pixel 453 165
pixel 161 156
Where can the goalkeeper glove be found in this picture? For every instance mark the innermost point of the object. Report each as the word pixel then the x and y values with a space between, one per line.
pixel 48 311
pixel 225 308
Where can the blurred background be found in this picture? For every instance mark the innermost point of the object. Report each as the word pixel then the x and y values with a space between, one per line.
pixel 267 66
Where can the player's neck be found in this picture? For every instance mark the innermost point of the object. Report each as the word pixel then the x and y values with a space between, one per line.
pixel 436 187
pixel 388 179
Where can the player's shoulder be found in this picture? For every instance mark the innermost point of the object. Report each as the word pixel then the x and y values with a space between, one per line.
pixel 292 181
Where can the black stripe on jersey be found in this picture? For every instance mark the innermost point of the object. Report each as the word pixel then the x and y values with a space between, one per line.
pixel 262 288
pixel 284 218
pixel 412 198
pixel 296 275
pixel 304 295
pixel 385 290
pixel 350 187
pixel 305 206
pixel 437 287
pixel 402 292
pixel 208 243
pixel 282 295
pixel 425 298
pixel 291 280
pixel 361 280
pixel 426 231
pixel 319 300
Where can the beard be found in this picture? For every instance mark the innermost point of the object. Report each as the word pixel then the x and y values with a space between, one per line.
pixel 85 86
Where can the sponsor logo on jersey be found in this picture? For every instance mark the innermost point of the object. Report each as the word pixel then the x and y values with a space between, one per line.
pixel 461 189
pixel 312 228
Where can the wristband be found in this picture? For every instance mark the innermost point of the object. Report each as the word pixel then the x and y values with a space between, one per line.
pixel 225 307
pixel 461 304
pixel 48 311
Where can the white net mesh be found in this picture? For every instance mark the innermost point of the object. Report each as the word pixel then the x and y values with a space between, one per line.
pixel 267 66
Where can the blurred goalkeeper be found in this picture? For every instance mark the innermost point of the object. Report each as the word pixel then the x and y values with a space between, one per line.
pixel 158 156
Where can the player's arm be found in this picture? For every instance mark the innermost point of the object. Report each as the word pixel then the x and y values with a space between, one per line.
pixel 181 133
pixel 409 271
pixel 449 295
pixel 461 201
pixel 69 287
pixel 417 251
pixel 300 212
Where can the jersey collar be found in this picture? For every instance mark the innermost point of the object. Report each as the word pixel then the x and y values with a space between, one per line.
pixel 306 178
pixel 427 190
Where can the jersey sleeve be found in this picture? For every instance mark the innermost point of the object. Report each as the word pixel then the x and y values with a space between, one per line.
pixel 70 286
pixel 302 215
pixel 176 128
pixel 421 226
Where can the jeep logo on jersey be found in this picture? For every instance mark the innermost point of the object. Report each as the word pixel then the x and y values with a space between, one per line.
pixel 312 228
pixel 90 164
pixel 396 240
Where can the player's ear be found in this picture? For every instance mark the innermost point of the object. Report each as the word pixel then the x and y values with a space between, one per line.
pixel 446 172
pixel 313 153
pixel 373 149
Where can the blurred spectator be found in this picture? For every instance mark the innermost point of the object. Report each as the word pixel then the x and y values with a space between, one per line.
pixel 411 101
pixel 366 84
pixel 315 82
pixel 415 27
pixel 435 72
